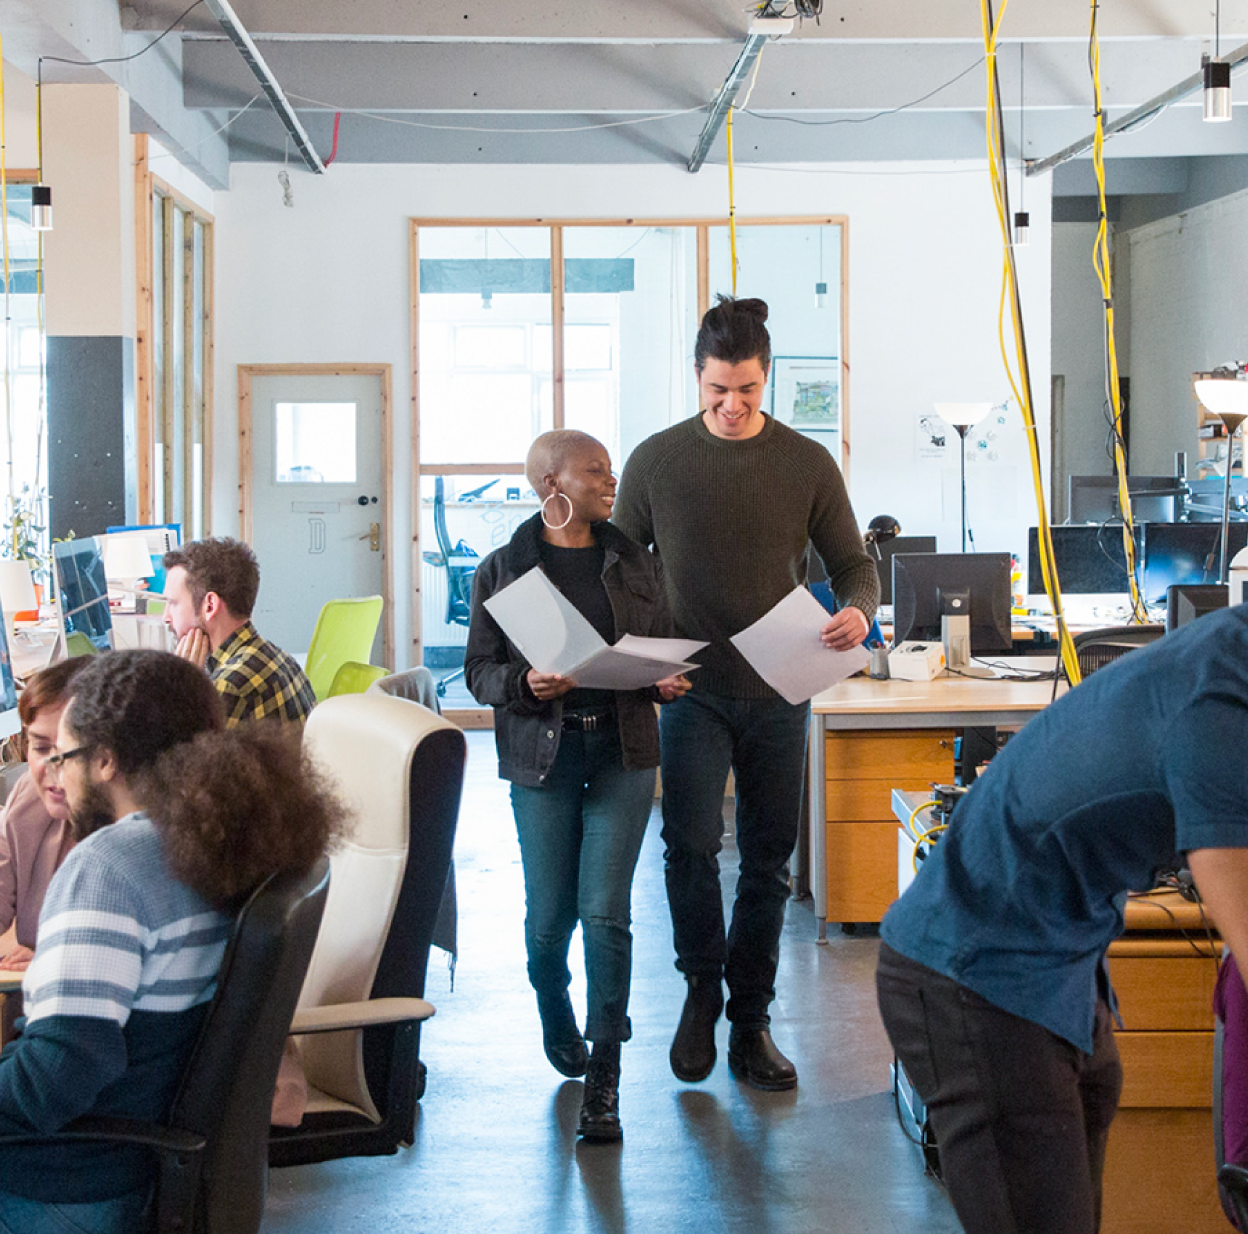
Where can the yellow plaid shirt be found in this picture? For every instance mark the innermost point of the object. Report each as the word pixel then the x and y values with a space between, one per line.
pixel 258 681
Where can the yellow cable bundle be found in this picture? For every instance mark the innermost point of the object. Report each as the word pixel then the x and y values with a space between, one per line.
pixel 732 206
pixel 1021 385
pixel 1100 260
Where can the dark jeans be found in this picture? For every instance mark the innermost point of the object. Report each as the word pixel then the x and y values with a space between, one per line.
pixel 580 834
pixel 123 1215
pixel 764 742
pixel 1021 1117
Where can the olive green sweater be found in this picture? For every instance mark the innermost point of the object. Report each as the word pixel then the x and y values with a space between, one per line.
pixel 730 521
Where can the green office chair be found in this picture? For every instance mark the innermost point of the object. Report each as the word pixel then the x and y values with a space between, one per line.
pixel 344 631
pixel 354 678
pixel 78 644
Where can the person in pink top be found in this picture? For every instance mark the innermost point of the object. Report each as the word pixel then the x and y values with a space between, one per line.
pixel 35 833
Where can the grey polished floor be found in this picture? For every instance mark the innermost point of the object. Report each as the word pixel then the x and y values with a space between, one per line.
pixel 496 1148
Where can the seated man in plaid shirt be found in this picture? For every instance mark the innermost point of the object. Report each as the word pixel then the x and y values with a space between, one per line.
pixel 210 590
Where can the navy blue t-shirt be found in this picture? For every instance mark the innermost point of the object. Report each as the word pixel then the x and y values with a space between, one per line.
pixel 1147 758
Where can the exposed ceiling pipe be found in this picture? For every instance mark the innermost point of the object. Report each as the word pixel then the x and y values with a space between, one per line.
pixel 238 35
pixel 1189 85
pixel 761 29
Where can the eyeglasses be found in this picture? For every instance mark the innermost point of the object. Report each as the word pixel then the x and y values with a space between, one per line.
pixel 54 762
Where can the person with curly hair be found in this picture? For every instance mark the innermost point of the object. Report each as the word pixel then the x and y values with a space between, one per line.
pixel 177 820
pixel 210 591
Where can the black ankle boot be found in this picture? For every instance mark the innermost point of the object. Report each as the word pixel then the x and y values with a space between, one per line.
pixel 693 1049
pixel 561 1039
pixel 600 1107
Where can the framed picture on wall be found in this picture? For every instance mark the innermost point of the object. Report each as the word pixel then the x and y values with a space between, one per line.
pixel 806 393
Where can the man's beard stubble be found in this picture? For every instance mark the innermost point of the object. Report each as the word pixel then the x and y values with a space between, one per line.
pixel 94 812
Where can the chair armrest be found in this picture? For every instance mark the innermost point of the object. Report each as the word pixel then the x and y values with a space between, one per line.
pixel 336 1017
pixel 114 1131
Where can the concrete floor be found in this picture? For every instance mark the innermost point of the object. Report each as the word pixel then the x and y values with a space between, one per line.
pixel 496 1147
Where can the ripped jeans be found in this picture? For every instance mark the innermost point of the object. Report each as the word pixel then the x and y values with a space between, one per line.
pixel 580 834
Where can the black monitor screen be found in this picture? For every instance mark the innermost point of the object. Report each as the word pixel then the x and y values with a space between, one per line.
pixel 1187 601
pixel 1094 499
pixel 1184 553
pixel 83 590
pixel 1090 559
pixel 888 550
pixel 921 579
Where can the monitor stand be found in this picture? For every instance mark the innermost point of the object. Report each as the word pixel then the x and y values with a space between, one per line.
pixel 955 634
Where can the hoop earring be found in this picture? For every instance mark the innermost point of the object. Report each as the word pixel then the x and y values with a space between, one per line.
pixel 557 526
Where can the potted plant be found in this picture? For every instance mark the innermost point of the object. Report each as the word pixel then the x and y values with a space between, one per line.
pixel 24 531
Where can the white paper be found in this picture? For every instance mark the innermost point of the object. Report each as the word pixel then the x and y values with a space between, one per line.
pixel 784 649
pixel 555 638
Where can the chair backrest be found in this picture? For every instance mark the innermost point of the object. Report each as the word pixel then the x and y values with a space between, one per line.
pixel 417 685
pixel 354 678
pixel 1096 648
pixel 344 631
pixel 78 644
pixel 459 572
pixel 399 768
pixel 227 1089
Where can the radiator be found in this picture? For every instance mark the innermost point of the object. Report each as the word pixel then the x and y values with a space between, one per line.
pixel 434 630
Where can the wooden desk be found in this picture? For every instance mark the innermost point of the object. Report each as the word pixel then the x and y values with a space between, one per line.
pixel 868 737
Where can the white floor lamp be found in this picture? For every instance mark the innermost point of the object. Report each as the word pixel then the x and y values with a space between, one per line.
pixel 1224 391
pixel 963 417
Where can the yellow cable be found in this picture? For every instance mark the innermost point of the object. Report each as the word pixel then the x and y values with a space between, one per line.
pixel 732 209
pixel 926 805
pixel 8 333
pixel 1101 262
pixel 922 839
pixel 1020 384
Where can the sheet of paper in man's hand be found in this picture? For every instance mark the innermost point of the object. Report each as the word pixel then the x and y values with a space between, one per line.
pixel 784 649
pixel 555 638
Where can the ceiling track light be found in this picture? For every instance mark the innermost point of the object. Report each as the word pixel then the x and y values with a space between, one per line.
pixel 1022 227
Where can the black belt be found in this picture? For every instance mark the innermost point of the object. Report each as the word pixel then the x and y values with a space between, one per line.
pixel 588 721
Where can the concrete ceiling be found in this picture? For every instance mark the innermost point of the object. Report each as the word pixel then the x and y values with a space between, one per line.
pixel 630 81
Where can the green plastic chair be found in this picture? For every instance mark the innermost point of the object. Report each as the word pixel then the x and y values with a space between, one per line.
pixel 354 678
pixel 344 631
pixel 78 644
pixel 155 607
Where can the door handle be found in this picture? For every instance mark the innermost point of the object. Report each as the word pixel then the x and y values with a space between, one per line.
pixel 373 536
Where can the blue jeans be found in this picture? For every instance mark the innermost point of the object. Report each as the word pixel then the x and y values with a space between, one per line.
pixel 580 834
pixel 123 1215
pixel 764 742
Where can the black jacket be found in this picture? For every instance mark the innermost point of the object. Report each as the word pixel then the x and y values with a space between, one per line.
pixel 526 730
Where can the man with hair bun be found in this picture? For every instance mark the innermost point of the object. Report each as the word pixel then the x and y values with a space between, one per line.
pixel 177 822
pixel 730 499
pixel 210 589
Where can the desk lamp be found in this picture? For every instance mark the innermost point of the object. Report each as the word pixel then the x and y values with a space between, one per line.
pixel 126 560
pixel 1224 391
pixel 963 417
pixel 17 590
pixel 881 528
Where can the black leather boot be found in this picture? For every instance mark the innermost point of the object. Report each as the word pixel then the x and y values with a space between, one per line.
pixel 755 1058
pixel 561 1039
pixel 693 1049
pixel 600 1106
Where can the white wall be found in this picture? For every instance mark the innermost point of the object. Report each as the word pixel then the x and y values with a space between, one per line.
pixel 327 280
pixel 1189 313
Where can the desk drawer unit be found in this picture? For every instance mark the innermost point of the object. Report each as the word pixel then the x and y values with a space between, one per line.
pixel 862 769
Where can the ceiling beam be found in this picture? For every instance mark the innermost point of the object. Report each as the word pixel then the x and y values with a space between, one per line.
pixel 238 35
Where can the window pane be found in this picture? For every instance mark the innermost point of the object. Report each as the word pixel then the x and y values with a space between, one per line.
pixel 630 312
pixel 314 443
pixel 484 342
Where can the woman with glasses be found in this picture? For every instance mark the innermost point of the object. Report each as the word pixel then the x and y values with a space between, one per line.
pixel 35 832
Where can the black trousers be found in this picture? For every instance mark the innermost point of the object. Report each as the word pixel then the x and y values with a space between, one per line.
pixel 1021 1117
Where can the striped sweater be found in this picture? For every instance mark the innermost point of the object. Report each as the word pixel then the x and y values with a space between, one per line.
pixel 124 969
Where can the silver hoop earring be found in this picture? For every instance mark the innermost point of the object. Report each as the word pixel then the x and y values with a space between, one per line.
pixel 566 521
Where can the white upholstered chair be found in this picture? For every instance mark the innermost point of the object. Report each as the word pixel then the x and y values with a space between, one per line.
pixel 399 768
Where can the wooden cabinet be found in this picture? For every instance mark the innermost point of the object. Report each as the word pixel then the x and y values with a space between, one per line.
pixel 1159 1170
pixel 861 770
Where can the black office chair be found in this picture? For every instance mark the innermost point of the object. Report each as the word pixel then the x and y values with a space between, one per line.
pixel 460 562
pixel 1094 649
pixel 212 1150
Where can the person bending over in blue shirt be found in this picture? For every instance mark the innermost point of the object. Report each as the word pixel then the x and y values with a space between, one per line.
pixel 992 980
pixel 178 821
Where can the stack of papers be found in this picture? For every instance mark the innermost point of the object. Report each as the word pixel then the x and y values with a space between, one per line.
pixel 555 638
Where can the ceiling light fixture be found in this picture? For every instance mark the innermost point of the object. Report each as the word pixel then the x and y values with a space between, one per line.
pixel 1022 220
pixel 41 207
pixel 1217 75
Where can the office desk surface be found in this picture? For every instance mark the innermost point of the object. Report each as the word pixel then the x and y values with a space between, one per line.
pixel 10 980
pixel 962 702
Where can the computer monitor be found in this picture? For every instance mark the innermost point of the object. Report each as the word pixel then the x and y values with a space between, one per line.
pixel 10 721
pixel 1094 499
pixel 82 591
pixel 1184 553
pixel 1091 559
pixel 1187 601
pixel 885 552
pixel 924 582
